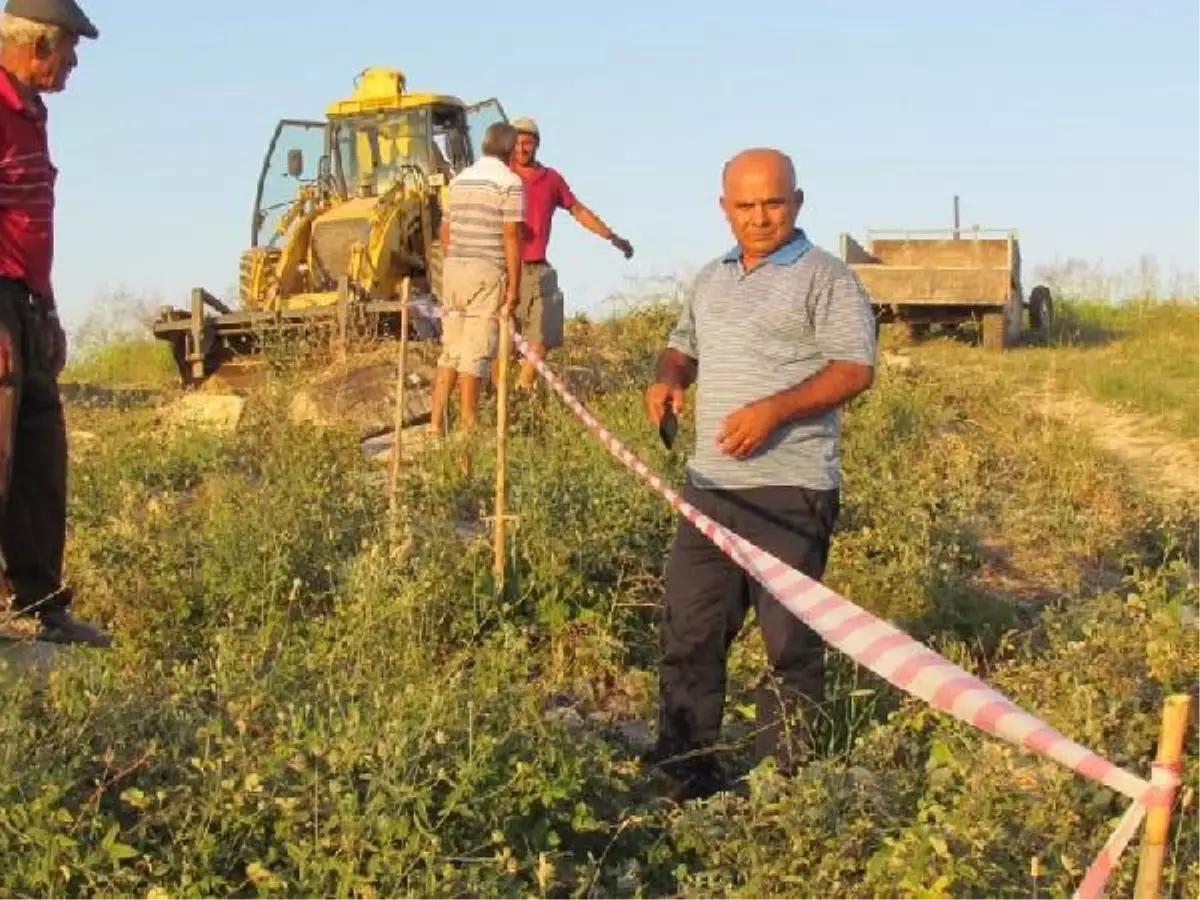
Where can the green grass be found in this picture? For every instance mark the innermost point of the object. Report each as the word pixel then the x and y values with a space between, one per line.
pixel 139 362
pixel 1144 358
pixel 113 346
pixel 1138 357
pixel 304 703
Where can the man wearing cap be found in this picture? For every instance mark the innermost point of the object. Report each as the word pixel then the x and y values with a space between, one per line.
pixel 37 54
pixel 540 312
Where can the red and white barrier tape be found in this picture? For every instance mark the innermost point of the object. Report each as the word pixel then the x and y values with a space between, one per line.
pixel 892 654
pixel 1163 778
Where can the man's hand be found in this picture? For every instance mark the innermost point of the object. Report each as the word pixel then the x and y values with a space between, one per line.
pixel 512 297
pixel 8 355
pixel 621 244
pixel 744 431
pixel 659 396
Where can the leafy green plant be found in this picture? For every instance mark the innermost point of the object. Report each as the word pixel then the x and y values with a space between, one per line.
pixel 307 701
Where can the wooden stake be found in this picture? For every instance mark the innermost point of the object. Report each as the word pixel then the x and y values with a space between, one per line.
pixel 500 521
pixel 401 385
pixel 1158 819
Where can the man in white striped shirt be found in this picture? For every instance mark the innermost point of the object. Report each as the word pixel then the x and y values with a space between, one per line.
pixel 481 278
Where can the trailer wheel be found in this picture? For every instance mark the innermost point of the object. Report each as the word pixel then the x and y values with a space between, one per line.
pixel 1041 309
pixel 994 330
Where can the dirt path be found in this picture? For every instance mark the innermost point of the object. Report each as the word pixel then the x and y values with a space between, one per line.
pixel 1161 462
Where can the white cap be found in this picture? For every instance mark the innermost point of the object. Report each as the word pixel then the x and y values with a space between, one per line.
pixel 526 125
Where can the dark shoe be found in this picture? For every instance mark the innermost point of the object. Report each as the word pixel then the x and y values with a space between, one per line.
pixel 694 778
pixel 60 627
pixel 698 784
pixel 692 782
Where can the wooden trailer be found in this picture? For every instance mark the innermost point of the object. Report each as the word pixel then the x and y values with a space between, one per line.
pixel 924 277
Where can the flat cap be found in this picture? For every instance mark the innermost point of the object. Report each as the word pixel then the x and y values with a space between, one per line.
pixel 66 14
pixel 525 125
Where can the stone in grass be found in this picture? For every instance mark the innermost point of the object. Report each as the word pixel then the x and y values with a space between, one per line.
pixel 363 397
pixel 20 653
pixel 220 412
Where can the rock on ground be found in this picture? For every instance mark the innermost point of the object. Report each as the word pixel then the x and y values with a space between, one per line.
pixel 20 653
pixel 380 447
pixel 364 397
pixel 98 396
pixel 222 412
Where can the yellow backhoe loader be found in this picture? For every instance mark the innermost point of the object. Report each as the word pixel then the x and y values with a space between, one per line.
pixel 345 209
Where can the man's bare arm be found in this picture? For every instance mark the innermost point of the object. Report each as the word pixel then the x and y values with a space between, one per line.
pixel 676 369
pixel 833 386
pixel 593 223
pixel 744 431
pixel 512 262
pixel 444 234
pixel 675 373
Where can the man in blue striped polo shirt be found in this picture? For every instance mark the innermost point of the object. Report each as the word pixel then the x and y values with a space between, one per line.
pixel 777 336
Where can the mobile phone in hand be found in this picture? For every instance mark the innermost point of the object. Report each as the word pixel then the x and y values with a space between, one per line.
pixel 668 427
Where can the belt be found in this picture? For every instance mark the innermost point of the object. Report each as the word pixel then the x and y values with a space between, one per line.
pixel 16 287
pixel 18 290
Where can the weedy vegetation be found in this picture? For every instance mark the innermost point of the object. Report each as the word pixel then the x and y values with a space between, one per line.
pixel 306 702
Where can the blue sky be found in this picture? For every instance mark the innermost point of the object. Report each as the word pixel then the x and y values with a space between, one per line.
pixel 1074 122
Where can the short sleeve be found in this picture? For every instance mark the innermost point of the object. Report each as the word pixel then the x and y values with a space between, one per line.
pixel 683 335
pixel 565 197
pixel 842 319
pixel 512 208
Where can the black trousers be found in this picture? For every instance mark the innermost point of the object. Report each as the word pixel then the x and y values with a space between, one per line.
pixel 707 598
pixel 33 457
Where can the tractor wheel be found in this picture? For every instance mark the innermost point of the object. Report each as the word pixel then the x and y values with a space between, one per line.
pixel 994 330
pixel 916 331
pixel 908 332
pixel 1041 310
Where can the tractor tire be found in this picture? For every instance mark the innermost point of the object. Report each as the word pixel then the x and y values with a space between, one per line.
pixel 1041 310
pixel 995 331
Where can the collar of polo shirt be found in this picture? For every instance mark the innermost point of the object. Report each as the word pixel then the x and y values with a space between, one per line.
pixel 787 254
pixel 19 99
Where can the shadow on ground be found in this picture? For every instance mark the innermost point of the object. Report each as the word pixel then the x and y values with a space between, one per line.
pixel 1068 330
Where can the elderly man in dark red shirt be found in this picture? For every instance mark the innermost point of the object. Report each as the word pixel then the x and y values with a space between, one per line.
pixel 540 312
pixel 37 54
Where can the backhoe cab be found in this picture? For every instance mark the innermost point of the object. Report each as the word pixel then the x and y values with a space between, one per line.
pixel 344 210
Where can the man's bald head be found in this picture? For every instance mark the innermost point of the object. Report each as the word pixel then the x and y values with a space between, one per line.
pixel 762 161
pixel 761 200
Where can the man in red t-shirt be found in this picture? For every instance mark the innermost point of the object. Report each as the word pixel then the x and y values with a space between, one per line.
pixel 540 311
pixel 37 53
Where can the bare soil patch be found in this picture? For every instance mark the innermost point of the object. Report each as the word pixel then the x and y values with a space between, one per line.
pixel 1160 462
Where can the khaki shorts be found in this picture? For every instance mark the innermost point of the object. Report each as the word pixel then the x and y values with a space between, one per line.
pixel 472 290
pixel 540 310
